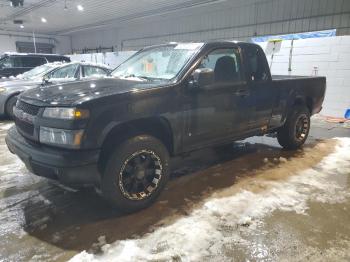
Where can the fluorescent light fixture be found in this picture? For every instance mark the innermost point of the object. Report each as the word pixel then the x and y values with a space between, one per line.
pixel 80 8
pixel 43 20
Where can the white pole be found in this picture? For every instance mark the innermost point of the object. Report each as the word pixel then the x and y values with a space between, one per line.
pixel 34 41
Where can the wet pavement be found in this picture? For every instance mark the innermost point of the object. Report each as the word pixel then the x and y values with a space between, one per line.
pixel 249 202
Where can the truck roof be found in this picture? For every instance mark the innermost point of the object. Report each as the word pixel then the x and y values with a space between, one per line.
pixel 208 43
pixel 31 54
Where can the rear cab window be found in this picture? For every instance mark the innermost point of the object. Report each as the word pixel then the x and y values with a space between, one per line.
pixel 257 69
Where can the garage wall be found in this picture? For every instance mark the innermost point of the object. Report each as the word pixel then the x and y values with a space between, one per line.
pixel 96 38
pixel 228 20
pixel 328 57
pixel 8 41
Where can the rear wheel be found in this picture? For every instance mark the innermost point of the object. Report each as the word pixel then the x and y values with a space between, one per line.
pixel 11 102
pixel 136 173
pixel 296 129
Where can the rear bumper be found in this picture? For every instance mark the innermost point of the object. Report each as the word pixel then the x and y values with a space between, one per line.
pixel 72 168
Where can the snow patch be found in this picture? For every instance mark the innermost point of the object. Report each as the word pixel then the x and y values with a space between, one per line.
pixel 207 230
pixel 6 126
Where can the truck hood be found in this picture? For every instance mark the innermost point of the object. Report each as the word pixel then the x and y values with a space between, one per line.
pixel 74 93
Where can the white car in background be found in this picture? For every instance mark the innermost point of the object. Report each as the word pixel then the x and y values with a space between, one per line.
pixel 46 75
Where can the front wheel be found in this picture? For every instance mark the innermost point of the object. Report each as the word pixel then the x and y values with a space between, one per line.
pixel 136 173
pixel 296 129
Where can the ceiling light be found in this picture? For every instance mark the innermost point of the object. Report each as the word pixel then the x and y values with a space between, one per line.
pixel 43 20
pixel 21 26
pixel 80 8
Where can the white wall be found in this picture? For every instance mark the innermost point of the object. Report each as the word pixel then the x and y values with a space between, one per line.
pixel 8 41
pixel 330 56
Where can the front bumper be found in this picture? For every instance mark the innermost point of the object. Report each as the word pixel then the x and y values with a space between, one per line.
pixel 69 167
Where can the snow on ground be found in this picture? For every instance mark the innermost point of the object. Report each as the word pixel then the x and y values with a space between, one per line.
pixel 204 234
pixel 6 126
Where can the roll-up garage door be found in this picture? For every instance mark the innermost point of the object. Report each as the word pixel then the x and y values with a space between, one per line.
pixel 28 47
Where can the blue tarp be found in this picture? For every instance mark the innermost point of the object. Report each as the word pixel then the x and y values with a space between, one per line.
pixel 347 114
pixel 316 34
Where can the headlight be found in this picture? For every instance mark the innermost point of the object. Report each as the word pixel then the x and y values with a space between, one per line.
pixel 2 89
pixel 66 113
pixel 61 137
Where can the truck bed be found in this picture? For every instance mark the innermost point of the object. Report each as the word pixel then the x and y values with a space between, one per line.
pixel 310 89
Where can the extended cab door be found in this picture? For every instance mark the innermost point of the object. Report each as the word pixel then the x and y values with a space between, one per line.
pixel 263 94
pixel 218 111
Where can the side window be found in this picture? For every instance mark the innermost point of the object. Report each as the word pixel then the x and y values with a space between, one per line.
pixel 65 72
pixel 256 65
pixel 225 63
pixel 7 62
pixel 92 71
pixel 17 61
pixel 57 59
pixel 32 61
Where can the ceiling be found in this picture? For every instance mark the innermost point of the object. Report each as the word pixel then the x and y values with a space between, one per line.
pixel 96 14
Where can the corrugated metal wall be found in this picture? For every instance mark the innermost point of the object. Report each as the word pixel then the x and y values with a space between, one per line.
pixel 241 21
pixel 231 19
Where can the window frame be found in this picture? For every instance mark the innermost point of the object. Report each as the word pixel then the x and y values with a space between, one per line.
pixel 77 74
pixel 98 67
pixel 238 53
pixel 7 58
pixel 260 54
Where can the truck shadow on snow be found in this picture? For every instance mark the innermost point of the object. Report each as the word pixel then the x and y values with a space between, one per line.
pixel 75 220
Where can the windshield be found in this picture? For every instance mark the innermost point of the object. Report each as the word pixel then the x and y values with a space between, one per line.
pixel 37 72
pixel 162 62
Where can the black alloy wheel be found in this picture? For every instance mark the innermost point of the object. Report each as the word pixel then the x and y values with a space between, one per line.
pixel 140 175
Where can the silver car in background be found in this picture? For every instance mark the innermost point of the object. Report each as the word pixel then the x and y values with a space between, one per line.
pixel 45 75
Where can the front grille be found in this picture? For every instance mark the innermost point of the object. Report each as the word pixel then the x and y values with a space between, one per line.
pixel 28 108
pixel 25 127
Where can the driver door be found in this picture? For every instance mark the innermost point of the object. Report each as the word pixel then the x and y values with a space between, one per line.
pixel 220 111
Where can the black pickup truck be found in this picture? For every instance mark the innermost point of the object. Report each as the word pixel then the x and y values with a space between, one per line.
pixel 118 133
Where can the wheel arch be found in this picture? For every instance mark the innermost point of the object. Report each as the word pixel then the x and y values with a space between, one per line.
pixel 158 127
pixel 7 100
pixel 304 101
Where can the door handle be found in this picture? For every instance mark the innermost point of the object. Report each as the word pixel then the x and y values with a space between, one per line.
pixel 242 93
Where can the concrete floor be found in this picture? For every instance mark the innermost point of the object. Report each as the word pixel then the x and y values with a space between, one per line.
pixel 252 202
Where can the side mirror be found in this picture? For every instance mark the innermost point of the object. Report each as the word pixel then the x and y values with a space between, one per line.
pixel 202 78
pixel 46 80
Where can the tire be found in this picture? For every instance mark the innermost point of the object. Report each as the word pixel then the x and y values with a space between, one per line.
pixel 296 129
pixel 11 102
pixel 128 165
